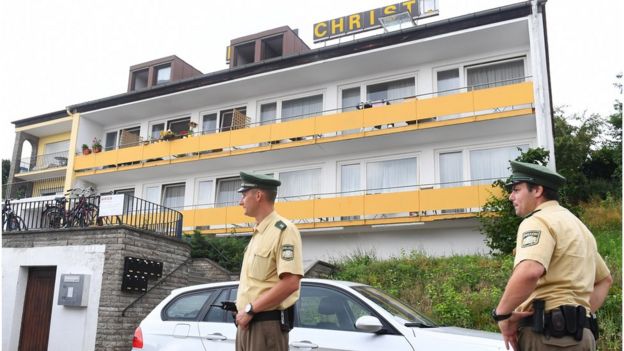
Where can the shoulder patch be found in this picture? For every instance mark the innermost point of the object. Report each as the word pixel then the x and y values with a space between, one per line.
pixel 280 225
pixel 530 238
pixel 288 252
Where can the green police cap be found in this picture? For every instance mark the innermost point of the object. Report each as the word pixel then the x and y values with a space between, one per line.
pixel 535 174
pixel 253 180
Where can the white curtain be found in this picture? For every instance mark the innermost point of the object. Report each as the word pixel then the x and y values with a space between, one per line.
pixel 383 176
pixel 391 90
pixel 448 82
pixel 350 179
pixel 296 184
pixel 152 194
pixel 491 164
pixel 227 194
pixel 495 75
pixel 451 172
pixel 209 123
pixel 350 99
pixel 268 113
pixel 302 107
pixel 173 196
pixel 58 146
pixel 204 193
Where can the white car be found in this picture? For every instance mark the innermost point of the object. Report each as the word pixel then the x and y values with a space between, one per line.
pixel 330 315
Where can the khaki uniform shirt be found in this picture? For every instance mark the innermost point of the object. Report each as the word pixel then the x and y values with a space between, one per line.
pixel 275 248
pixel 558 240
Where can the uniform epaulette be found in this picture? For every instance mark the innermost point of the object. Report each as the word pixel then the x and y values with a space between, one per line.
pixel 280 225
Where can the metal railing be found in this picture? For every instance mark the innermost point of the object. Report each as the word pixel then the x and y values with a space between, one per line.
pixel 84 211
pixel 41 162
pixel 26 189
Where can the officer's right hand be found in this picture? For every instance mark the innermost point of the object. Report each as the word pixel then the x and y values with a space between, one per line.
pixel 243 319
pixel 509 328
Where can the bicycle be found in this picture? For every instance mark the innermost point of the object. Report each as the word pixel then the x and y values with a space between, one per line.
pixel 82 214
pixel 10 220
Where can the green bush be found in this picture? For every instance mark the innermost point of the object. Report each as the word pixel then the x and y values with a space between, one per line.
pixel 226 251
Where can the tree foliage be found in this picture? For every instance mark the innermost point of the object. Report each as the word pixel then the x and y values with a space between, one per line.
pixel 226 251
pixel 6 166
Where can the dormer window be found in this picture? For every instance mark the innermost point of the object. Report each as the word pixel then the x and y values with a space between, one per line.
pixel 272 47
pixel 162 74
pixel 244 53
pixel 139 79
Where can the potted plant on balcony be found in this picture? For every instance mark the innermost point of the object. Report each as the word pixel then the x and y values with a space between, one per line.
pixel 167 134
pixel 96 145
pixel 85 149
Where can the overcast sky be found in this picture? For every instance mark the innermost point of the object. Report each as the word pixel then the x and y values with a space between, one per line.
pixel 62 52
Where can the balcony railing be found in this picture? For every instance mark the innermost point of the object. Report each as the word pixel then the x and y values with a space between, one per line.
pixel 26 189
pixel 411 204
pixel 42 162
pixel 71 212
pixel 419 112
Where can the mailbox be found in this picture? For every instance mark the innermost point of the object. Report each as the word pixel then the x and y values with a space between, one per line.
pixel 74 290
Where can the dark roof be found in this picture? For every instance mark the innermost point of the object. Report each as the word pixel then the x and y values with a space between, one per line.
pixel 450 25
pixel 40 118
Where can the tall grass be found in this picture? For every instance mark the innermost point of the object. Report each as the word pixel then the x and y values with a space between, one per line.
pixel 461 290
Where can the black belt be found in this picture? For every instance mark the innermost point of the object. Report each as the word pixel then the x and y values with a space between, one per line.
pixel 275 315
pixel 528 321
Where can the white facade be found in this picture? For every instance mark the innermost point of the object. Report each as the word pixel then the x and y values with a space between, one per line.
pixel 71 328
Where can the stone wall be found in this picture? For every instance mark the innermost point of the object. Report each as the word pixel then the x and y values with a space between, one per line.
pixel 114 331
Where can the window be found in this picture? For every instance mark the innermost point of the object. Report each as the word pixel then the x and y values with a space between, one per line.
pixel 350 99
pixel 129 137
pixel 451 169
pixel 216 313
pixel 268 113
pixel 321 308
pixel 391 91
pixel 186 307
pixel 302 107
pixel 152 194
pixel 162 74
pixel 110 142
pixel 173 196
pixel 59 146
pixel 179 126
pixel 448 82
pixel 156 129
pixel 494 75
pixel 492 164
pixel 350 179
pixel 272 47
pixel 244 53
pixel 139 79
pixel 390 175
pixel 298 183
pixel 209 123
pixel 128 200
pixel 204 193
pixel 227 194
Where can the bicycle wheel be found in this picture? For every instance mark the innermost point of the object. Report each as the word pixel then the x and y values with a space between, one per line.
pixel 87 216
pixel 11 224
pixel 52 218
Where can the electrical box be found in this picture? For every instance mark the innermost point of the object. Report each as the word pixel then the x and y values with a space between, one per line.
pixel 74 290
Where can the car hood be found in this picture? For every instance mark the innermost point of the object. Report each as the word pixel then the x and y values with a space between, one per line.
pixel 470 339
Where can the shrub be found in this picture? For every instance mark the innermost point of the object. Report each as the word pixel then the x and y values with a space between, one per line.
pixel 226 251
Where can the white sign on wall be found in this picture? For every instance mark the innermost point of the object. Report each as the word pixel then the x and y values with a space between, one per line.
pixel 111 205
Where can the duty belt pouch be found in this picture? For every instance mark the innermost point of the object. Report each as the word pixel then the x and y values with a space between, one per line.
pixel 538 316
pixel 581 316
pixel 557 323
pixel 569 314
pixel 287 318
pixel 593 326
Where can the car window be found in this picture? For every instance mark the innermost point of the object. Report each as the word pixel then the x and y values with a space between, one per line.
pixel 324 308
pixel 215 313
pixel 186 307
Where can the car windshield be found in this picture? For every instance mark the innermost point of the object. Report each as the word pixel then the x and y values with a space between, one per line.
pixel 401 311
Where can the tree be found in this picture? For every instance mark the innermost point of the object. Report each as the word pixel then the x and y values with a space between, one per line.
pixel 6 166
pixel 227 251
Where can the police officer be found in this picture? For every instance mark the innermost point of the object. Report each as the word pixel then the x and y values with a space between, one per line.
pixel 271 271
pixel 559 279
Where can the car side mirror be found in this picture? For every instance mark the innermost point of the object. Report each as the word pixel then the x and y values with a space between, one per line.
pixel 368 324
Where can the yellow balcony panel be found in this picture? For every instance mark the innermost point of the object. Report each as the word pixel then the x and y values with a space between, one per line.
pixel 184 145
pixel 339 206
pixel 292 129
pixel 485 192
pixel 445 105
pixel 84 162
pixel 236 214
pixel 106 158
pixel 398 202
pixel 381 115
pixel 246 136
pixel 339 122
pixel 508 95
pixel 156 150
pixel 206 216
pixel 296 209
pixel 214 141
pixel 450 198
pixel 129 154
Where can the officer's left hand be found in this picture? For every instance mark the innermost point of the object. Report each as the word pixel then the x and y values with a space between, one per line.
pixel 243 319
pixel 509 329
